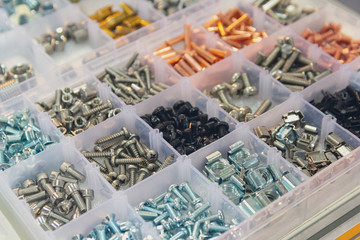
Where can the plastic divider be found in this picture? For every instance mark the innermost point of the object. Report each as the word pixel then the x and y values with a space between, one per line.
pixel 48 161
pixel 74 54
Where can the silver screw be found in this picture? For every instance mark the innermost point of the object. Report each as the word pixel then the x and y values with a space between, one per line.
pixel 249 90
pixel 132 169
pixel 48 212
pixel 72 189
pixel 108 104
pixel 123 133
pixel 143 172
pixel 168 161
pixel 88 194
pixel 66 167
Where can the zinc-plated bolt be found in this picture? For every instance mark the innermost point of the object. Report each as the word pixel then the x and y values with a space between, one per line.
pixel 168 161
pixel 123 133
pixel 249 90
pixel 66 167
pixel 181 233
pixel 100 231
pixel 199 211
pixel 72 189
pixel 143 207
pixel 108 104
pixel 147 215
pixel 219 217
pixel 111 223
pixel 176 192
pixel 212 227
pixel 36 197
pixel 132 169
pixel 143 173
pixel 263 107
pixel 88 194
pixel 57 106
pixel 187 189
pixel 47 211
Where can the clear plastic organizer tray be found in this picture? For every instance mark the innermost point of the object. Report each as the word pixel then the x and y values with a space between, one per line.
pixel 300 204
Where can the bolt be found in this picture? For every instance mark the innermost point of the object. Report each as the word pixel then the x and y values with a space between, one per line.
pixel 272 56
pixel 290 61
pixel 26 191
pixel 36 207
pixel 132 169
pixel 143 173
pixel 43 223
pixel 57 106
pixel 219 90
pixel 66 167
pixel 161 217
pixel 265 105
pixel 199 211
pixel 174 190
pixel 147 215
pixel 187 189
pixel 100 231
pixel 249 90
pixel 88 195
pixel 212 227
pixel 123 133
pixel 36 197
pixel 180 234
pixel 72 189
pixel 47 211
pixel 110 222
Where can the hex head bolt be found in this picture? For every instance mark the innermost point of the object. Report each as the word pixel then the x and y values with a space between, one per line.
pixel 180 234
pixel 72 189
pixel 143 173
pixel 265 105
pixel 66 167
pixel 185 187
pixel 168 161
pixel 132 169
pixel 92 111
pixel 249 90
pixel 176 192
pixel 48 212
pixel 123 133
pixel 88 195
pixel 199 211
pixel 111 223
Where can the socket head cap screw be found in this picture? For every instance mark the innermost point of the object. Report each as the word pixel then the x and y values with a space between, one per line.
pixel 71 188
pixel 41 176
pixel 64 166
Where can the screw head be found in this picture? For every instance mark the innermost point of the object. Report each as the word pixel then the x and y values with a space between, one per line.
pixel 218 88
pixel 123 178
pixel 71 188
pixel 152 155
pixel 64 166
pixel 172 186
pixel 89 193
pixel 145 171
pixel 41 176
pixel 249 91
pixel 132 167
pixel 125 131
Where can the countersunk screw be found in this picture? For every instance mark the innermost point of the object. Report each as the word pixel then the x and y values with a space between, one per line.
pixel 66 167
pixel 174 190
pixel 249 90
pixel 72 189
pixel 123 133
pixel 48 212
pixel 108 104
pixel 143 173
pixel 88 194
pixel 132 169
pixel 168 161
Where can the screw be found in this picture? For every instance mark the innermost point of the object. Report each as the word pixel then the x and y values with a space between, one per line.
pixel 110 169
pixel 212 227
pixel 168 161
pixel 132 169
pixel 123 133
pixel 72 189
pixel 199 211
pixel 187 189
pixel 36 197
pixel 174 190
pixel 98 154
pixel 248 90
pixel 88 195
pixel 108 104
pixel 143 172
pixel 120 161
pixel 181 233
pixel 48 212
pixel 122 176
pixel 263 107
pixel 66 167
pixel 100 231
pixel 131 145
pixel 110 221
pixel 219 90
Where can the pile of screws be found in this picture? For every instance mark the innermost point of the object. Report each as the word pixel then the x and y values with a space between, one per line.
pixel 287 65
pixel 344 106
pixel 227 94
pixel 185 127
pixel 235 28
pixel 193 58
pixel 22 11
pixel 15 74
pixel 20 138
pixel 298 142
pixel 73 110
pixel 56 199
pixel 174 219
pixel 245 181
pixel 284 11
pixel 55 42
pixel 125 156
pixel 132 84
pixel 168 7
pixel 116 23
pixel 113 229
pixel 335 43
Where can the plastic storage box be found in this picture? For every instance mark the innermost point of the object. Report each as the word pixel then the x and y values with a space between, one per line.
pixel 271 222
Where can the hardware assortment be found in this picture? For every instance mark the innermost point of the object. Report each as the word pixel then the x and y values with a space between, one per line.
pixel 125 159
pixel 73 110
pixel 287 64
pixel 185 127
pixel 20 138
pixel 299 143
pixel 192 58
pixel 134 83
pixel 342 47
pixel 235 28
pixel 245 180
pixel 15 75
pixel 56 41
pixel 56 198
pixel 180 213
pixel 168 7
pixel 118 23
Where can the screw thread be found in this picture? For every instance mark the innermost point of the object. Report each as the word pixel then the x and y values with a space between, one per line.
pixel 79 202
pixel 263 107
pixel 134 150
pixel 110 137
pixel 168 161
pixel 122 169
pixel 141 177
pixel 97 154
pixel 7 84
pixel 132 177
pixel 121 161
pixel 58 217
pixel 102 168
pixel 97 109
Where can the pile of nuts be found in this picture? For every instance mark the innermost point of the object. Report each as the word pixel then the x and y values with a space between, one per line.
pixel 227 93
pixel 22 11
pixel 112 229
pixel 235 28
pixel 340 46
pixel 245 180
pixel 171 214
pixel 185 127
pixel 15 75
pixel 168 7
pixel 132 84
pixel 287 64
pixel 344 106
pixel 55 42
pixel 193 58
pixel 298 142
pixel 20 138
pixel 56 199
pixel 116 23
pixel 126 161
pixel 73 110
pixel 284 11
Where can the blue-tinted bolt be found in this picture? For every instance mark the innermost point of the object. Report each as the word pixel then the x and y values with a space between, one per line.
pixel 111 223
pixel 77 237
pixel 171 211
pixel 181 233
pixel 163 216
pixel 199 211
pixel 100 232
pixel 212 227
pixel 187 189
pixel 219 217
pixel 148 216
pixel 149 209
pixel 174 190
